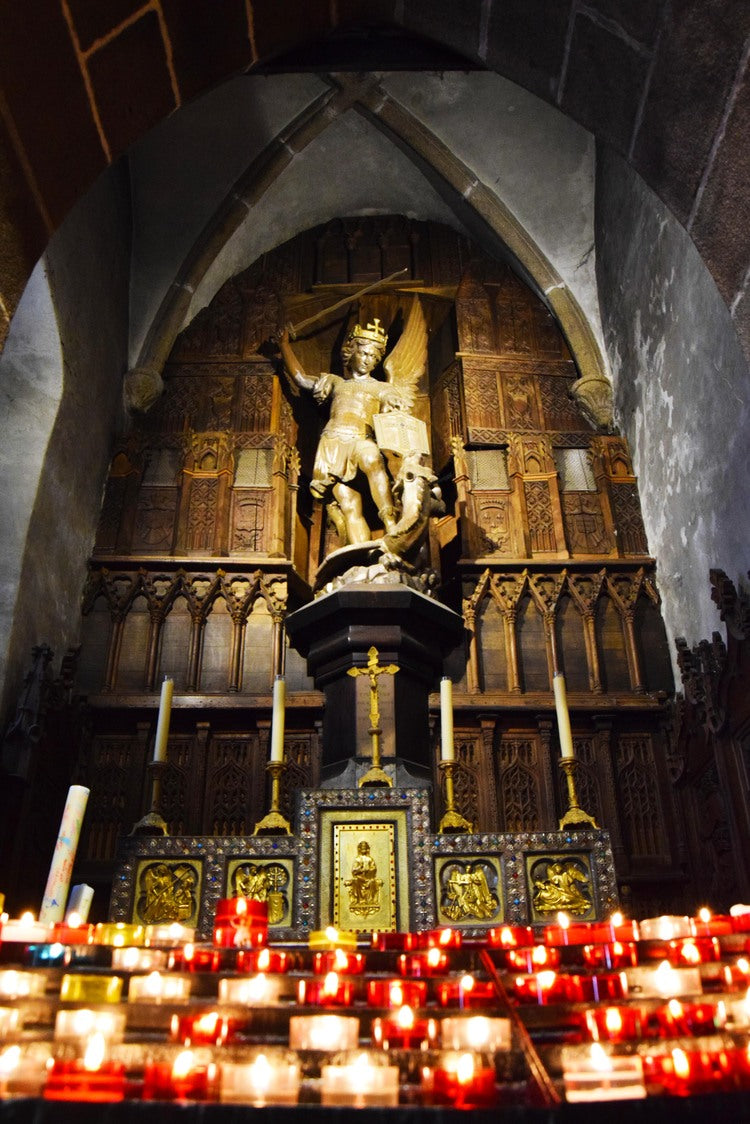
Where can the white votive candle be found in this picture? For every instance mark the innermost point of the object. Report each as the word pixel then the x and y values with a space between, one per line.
pixel 21 985
pixel 159 987
pixel 251 991
pixel 79 1025
pixel 475 1033
pixel 360 1084
pixel 323 1032
pixel 270 1078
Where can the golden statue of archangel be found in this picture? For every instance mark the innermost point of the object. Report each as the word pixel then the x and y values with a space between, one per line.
pixel 367 417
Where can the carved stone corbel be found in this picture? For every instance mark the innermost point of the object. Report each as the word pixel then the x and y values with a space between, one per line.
pixel 593 395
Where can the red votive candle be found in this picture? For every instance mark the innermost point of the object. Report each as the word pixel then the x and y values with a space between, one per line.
pixel 533 959
pixel 397 993
pixel 705 1066
pixel 331 991
pixel 440 938
pixel 187 1078
pixel 511 936
pixel 434 962
pixel 600 988
pixel 210 1028
pixel 403 1030
pixel 201 958
pixel 395 942
pixel 75 1080
pixel 463 1081
pixel 688 951
pixel 64 933
pixel 572 933
pixel 466 992
pixel 616 955
pixel 613 1024
pixel 541 987
pixel 345 963
pixel 708 924
pixel 272 960
pixel 677 1019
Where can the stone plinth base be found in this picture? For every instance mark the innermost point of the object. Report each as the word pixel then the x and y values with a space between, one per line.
pixel 335 632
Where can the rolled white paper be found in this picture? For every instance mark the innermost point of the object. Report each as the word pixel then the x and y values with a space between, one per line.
pixel 58 881
pixel 277 719
pixel 79 902
pixel 447 748
pixel 162 723
pixel 563 716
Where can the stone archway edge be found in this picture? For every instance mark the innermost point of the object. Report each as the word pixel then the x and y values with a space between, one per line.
pixel 364 94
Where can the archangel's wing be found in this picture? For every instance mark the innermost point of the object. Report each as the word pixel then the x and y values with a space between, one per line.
pixel 406 364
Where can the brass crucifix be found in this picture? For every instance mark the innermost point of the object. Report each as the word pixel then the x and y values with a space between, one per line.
pixel 374 776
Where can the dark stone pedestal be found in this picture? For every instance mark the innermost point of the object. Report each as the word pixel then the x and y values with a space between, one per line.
pixel 410 630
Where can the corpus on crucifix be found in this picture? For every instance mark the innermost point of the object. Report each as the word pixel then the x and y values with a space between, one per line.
pixel 375 776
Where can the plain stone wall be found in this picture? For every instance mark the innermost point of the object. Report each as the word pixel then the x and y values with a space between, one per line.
pixel 60 386
pixel 681 384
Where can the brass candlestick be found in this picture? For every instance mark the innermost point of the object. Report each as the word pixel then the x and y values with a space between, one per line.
pixel 274 823
pixel 153 823
pixel 575 815
pixel 452 822
pixel 375 777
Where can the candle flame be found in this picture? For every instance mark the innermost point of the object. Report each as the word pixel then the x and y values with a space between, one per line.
pixel 96 1047
pixel 612 1020
pixel 83 1022
pixel 681 1062
pixel 434 957
pixel 616 919
pixel 674 1007
pixel 262 1074
pixel 539 954
pixel 396 995
pixel 563 920
pixel 704 915
pixel 332 933
pixel 478 1032
pixel 467 983
pixel 74 920
pixel 183 1063
pixel 264 960
pixel 600 1059
pixel 546 979
pixel 465 1069
pixel 241 909
pixel 331 984
pixel 445 936
pixel 27 918
pixel 690 953
pixel 405 1018
pixel 743 966
pixel 340 960
pixel 666 978
pixel 9 1060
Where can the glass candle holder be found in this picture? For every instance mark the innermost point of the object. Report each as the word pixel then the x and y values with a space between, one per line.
pixel 159 987
pixel 91 989
pixel 433 962
pixel 345 963
pixel 677 1019
pixel 664 981
pixel 533 958
pixel 476 1033
pixel 595 1073
pixel 321 940
pixel 81 1024
pixel 251 991
pixel 332 1033
pixel 10 1021
pixel 207 1028
pixel 263 960
pixel 169 936
pixel 269 1077
pixel 397 993
pixel 139 959
pixel 665 928
pixel 511 936
pixel 403 1030
pixel 395 942
pixel 119 934
pixel 21 985
pixel 191 1075
pixel 93 1077
pixel 331 991
pixel 619 954
pixel 440 938
pixel 613 1024
pixel 463 1080
pixel 359 1082
pixel 465 992
pixel 688 1067
pixel 23 1069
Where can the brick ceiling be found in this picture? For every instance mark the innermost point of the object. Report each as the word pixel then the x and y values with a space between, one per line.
pixel 664 82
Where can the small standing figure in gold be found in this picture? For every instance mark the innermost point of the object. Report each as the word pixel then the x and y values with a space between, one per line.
pixel 364 886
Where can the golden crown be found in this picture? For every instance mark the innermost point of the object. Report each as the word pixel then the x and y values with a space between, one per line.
pixel 372 332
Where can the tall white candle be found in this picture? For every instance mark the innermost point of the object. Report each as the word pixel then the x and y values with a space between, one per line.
pixel 447 748
pixel 563 716
pixel 277 719
pixel 162 724
pixel 79 902
pixel 58 881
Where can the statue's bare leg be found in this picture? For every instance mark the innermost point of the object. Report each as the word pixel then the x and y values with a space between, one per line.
pixel 371 463
pixel 350 502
